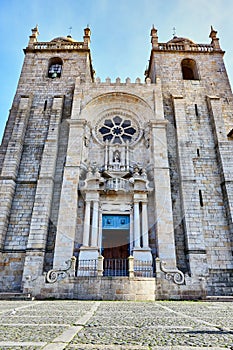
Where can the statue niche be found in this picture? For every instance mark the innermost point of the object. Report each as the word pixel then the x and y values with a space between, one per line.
pixel 116 158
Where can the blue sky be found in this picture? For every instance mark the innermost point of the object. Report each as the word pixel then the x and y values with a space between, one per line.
pixel 120 41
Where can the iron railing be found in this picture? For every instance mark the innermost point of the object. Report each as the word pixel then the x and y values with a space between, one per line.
pixel 143 268
pixel 87 268
pixel 116 267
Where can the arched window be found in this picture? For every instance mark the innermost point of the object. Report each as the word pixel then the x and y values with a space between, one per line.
pixel 55 67
pixel 189 69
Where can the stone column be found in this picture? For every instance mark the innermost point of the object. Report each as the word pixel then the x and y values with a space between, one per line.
pixel 224 149
pixel 100 229
pixel 127 155
pixel 195 242
pixel 136 225
pixel 86 228
pixel 95 221
pixel 145 238
pixel 67 217
pixel 162 194
pixel 34 260
pixel 11 164
pixel 106 160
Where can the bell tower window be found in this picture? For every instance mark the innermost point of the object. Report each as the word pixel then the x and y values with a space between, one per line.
pixel 55 68
pixel 189 69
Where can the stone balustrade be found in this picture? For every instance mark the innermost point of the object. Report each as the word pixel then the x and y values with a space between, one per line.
pixel 117 184
pixel 58 45
pixel 185 47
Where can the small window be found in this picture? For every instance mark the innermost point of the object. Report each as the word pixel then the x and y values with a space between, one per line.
pixel 189 69
pixel 230 135
pixel 201 198
pixel 55 68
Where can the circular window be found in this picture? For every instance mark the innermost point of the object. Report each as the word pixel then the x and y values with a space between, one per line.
pixel 117 129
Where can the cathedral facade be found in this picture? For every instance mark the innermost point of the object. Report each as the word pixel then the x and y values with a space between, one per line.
pixel 118 190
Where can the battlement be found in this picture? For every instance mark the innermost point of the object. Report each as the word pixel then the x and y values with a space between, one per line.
pixel 119 83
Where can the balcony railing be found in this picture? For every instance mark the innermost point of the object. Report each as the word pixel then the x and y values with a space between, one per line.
pixel 117 184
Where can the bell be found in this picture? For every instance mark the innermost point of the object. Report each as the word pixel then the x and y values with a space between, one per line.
pixel 54 75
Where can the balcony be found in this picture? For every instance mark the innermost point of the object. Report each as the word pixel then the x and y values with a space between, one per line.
pixel 117 184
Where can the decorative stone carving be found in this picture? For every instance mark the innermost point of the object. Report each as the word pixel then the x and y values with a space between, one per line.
pixel 116 157
pixel 117 127
pixel 174 275
pixel 87 135
pixel 146 135
pixel 55 275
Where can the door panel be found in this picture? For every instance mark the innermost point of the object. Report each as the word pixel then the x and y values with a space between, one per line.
pixel 115 244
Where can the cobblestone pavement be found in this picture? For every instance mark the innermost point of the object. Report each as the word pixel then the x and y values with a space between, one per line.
pixel 91 325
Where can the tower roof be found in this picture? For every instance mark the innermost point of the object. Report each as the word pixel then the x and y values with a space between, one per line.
pixel 180 40
pixel 63 38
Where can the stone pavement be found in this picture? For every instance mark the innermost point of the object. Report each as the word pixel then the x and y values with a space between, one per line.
pixel 91 325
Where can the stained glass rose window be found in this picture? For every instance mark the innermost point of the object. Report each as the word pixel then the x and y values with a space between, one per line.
pixel 117 130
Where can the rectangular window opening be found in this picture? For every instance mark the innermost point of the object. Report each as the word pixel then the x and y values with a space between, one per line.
pixel 45 105
pixel 196 110
pixel 198 152
pixel 201 198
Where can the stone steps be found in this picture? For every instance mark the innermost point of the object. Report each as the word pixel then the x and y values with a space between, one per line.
pixel 15 296
pixel 219 298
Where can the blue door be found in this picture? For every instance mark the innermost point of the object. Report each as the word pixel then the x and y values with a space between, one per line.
pixel 115 222
pixel 115 244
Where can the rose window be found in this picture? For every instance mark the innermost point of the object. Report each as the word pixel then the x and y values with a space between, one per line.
pixel 118 130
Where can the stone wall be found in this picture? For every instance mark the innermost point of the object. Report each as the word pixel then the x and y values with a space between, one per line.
pixel 198 161
pixel 52 137
pixel 34 80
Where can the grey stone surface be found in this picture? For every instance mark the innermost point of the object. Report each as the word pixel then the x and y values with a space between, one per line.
pixel 83 325
pixel 58 177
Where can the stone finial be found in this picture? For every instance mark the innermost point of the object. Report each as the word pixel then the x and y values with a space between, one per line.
pixel 154 37
pixel 34 35
pixel 87 37
pixel 148 81
pixel 215 40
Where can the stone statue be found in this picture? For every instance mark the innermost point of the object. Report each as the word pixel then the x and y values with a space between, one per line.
pixel 87 134
pixel 116 157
